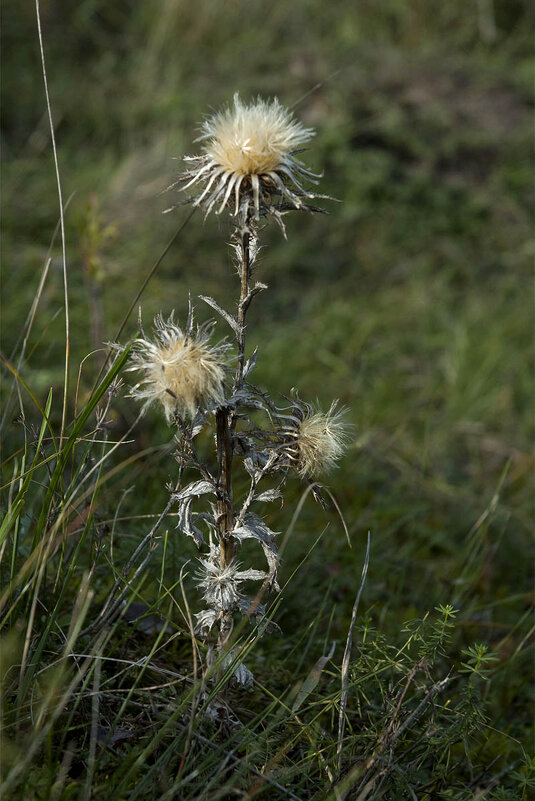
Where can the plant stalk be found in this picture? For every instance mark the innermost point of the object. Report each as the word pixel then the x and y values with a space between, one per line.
pixel 225 423
pixel 245 238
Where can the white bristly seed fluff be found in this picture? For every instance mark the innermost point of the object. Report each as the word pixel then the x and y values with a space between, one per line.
pixel 250 154
pixel 182 373
pixel 318 440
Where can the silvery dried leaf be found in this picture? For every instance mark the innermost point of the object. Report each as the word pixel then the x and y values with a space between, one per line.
pixel 258 287
pixel 189 323
pixel 251 575
pixel 256 461
pixel 196 488
pixel 221 585
pixel 249 465
pixel 208 518
pixel 318 497
pixel 242 675
pixel 198 422
pixel 205 620
pixel 255 528
pixel 268 495
pixel 185 498
pixel 185 522
pixel 273 560
pixel 224 314
pixel 243 443
pixel 254 247
pixel 249 608
pixel 244 397
pixel 250 364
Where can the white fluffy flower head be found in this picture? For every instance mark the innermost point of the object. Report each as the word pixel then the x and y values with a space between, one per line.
pixel 249 155
pixel 253 139
pixel 181 371
pixel 317 440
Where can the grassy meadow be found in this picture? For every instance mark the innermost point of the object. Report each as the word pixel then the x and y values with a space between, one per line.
pixel 410 302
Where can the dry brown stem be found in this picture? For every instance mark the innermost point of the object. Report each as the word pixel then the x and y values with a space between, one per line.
pixel 226 421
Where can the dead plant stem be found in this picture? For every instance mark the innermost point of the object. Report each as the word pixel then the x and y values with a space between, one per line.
pixel 225 424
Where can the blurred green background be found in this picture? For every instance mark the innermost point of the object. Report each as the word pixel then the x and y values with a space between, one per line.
pixel 410 302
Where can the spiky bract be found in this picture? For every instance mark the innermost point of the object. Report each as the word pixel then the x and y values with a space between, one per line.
pixel 182 371
pixel 221 584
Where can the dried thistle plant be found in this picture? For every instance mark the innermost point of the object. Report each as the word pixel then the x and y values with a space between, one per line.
pixel 249 167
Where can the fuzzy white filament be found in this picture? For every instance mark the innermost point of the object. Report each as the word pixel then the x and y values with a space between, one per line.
pixel 253 139
pixel 249 153
pixel 181 372
pixel 320 441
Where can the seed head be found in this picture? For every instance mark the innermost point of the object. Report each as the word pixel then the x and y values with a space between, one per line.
pixel 316 440
pixel 181 371
pixel 252 139
pixel 249 156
